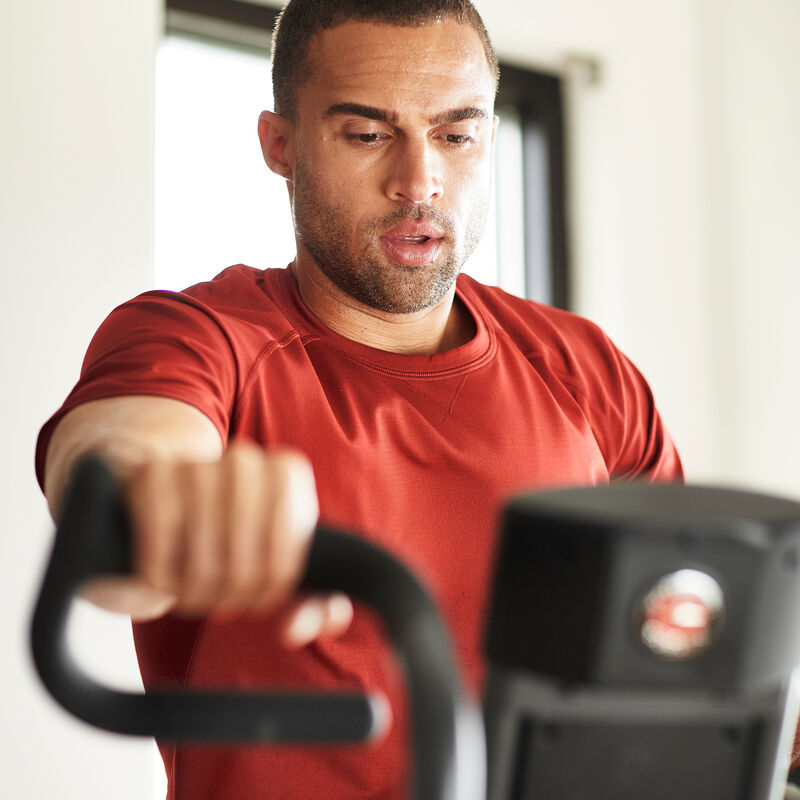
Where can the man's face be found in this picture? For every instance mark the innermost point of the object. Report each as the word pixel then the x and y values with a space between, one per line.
pixel 393 151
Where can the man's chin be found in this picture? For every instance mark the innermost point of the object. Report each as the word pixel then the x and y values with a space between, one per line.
pixel 406 297
pixel 379 282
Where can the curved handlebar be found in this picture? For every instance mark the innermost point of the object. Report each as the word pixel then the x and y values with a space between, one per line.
pixel 93 539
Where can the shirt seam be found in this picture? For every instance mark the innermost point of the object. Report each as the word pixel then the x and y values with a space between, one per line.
pixel 265 353
pixel 190 662
pixel 449 414
pixel 585 399
pixel 434 375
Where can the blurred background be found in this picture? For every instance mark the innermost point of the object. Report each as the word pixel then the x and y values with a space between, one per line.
pixel 648 177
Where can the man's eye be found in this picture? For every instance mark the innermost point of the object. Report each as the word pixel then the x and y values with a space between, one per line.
pixel 365 138
pixel 457 139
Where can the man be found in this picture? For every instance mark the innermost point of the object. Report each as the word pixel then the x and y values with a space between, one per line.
pixel 365 381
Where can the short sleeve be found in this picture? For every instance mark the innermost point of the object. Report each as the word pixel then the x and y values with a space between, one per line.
pixel 622 413
pixel 643 448
pixel 162 344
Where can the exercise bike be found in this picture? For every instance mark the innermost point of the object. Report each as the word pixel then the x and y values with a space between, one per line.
pixel 642 642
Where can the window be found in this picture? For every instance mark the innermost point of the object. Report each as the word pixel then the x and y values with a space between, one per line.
pixel 216 201
pixel 218 204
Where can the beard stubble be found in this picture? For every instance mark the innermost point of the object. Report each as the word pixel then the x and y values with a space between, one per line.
pixel 361 268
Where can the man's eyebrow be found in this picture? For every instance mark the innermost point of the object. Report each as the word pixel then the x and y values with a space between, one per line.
pixel 459 115
pixel 382 115
pixel 370 112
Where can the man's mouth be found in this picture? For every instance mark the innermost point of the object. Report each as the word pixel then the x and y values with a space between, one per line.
pixel 414 239
pixel 412 244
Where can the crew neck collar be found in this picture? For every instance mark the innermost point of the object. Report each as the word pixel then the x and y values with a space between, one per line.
pixel 469 354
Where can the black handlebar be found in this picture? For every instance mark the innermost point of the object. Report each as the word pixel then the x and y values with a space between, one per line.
pixel 93 539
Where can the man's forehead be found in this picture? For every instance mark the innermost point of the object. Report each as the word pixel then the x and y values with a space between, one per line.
pixel 441 64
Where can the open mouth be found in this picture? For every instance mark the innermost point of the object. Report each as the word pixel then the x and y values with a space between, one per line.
pixel 415 239
pixel 411 251
pixel 412 244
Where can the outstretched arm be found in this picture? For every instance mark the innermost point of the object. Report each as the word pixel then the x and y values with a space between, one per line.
pixel 215 529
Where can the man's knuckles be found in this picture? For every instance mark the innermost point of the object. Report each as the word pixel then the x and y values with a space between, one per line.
pixel 225 533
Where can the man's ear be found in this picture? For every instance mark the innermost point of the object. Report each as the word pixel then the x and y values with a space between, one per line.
pixel 276 135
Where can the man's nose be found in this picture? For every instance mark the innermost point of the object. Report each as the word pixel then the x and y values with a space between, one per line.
pixel 415 173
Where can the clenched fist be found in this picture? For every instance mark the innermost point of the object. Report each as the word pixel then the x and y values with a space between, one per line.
pixel 214 532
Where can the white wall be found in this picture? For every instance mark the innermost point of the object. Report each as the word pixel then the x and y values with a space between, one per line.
pixel 76 205
pixel 750 100
pixel 685 182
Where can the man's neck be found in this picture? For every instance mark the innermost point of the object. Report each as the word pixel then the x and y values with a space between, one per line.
pixel 442 327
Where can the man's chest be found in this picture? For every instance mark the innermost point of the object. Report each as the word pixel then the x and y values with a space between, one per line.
pixel 392 451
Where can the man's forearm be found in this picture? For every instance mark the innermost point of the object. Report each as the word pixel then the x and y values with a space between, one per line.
pixel 127 431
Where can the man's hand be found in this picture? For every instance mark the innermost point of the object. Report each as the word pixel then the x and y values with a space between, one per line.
pixel 214 533
pixel 231 535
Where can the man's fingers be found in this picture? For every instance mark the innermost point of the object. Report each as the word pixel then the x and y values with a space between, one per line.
pixel 290 520
pixel 156 513
pixel 339 615
pixel 246 495
pixel 231 535
pixel 203 536
pixel 317 617
pixel 129 595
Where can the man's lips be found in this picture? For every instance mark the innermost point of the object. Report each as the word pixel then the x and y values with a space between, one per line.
pixel 411 229
pixel 412 244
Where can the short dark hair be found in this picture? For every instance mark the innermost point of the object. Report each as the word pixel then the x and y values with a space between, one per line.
pixel 301 20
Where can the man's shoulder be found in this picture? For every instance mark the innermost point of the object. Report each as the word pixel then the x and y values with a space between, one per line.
pixel 238 298
pixel 235 290
pixel 534 326
pixel 581 357
pixel 242 310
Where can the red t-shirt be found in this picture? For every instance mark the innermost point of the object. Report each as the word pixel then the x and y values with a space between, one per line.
pixel 416 452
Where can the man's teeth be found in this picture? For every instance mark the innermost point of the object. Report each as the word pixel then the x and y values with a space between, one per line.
pixel 415 239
